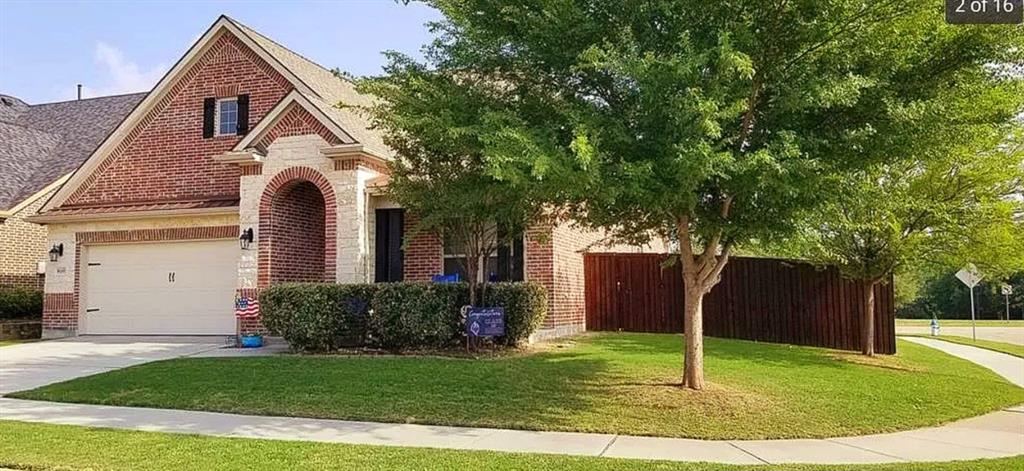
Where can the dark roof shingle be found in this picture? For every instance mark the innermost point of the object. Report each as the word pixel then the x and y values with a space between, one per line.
pixel 41 143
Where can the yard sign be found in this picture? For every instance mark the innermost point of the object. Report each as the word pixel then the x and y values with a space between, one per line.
pixel 485 322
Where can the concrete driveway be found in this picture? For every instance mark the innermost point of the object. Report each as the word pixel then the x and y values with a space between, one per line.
pixel 30 365
pixel 998 334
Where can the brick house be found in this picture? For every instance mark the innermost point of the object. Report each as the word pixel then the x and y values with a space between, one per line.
pixel 40 145
pixel 238 171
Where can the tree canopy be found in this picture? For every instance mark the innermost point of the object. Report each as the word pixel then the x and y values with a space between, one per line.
pixel 713 121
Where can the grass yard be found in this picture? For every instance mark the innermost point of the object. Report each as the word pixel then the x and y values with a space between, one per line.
pixel 959 323
pixel 613 383
pixel 1007 348
pixel 4 343
pixel 41 446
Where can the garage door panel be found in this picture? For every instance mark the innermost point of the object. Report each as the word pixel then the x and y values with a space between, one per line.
pixel 130 288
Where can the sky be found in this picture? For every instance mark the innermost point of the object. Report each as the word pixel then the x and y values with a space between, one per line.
pixel 112 47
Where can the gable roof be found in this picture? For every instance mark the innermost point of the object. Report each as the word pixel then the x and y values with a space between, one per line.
pixel 39 144
pixel 320 87
pixel 330 90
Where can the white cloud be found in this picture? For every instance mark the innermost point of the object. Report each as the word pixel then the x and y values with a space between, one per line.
pixel 121 74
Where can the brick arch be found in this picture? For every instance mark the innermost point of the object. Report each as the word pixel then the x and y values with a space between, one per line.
pixel 286 180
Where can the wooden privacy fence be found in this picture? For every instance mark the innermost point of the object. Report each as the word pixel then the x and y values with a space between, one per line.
pixel 767 300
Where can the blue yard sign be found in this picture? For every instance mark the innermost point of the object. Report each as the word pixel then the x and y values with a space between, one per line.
pixel 453 278
pixel 485 322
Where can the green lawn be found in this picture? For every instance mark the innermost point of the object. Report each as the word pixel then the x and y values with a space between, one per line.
pixel 4 343
pixel 959 323
pixel 41 446
pixel 614 383
pixel 1007 348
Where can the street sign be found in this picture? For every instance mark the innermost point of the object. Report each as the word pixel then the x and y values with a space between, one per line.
pixel 969 275
pixel 1007 290
pixel 485 322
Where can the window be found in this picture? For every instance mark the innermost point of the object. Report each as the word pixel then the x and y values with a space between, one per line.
pixel 504 264
pixel 227 116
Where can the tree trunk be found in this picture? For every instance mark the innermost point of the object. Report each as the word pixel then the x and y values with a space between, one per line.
pixel 472 267
pixel 693 334
pixel 700 274
pixel 867 335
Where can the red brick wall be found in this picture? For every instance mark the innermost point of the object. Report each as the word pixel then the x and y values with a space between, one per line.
pixel 166 157
pixel 566 293
pixel 250 324
pixel 297 249
pixel 270 229
pixel 60 310
pixel 424 253
pixel 553 259
pixel 296 121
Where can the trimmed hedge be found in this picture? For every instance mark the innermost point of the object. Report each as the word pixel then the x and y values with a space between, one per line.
pixel 322 317
pixel 20 303
pixel 318 317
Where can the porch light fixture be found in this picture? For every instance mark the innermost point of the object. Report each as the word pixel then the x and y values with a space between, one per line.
pixel 244 240
pixel 57 251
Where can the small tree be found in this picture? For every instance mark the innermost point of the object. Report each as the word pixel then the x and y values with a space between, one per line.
pixel 948 206
pixel 713 121
pixel 437 124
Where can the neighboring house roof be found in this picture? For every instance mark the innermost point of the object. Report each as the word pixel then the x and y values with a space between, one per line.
pixel 315 86
pixel 39 144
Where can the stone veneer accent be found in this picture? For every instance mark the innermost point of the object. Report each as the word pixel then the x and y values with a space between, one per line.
pixel 289 159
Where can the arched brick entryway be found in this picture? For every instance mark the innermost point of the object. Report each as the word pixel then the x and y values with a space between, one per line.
pixel 297 228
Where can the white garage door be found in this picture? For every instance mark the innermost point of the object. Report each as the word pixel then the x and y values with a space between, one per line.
pixel 167 288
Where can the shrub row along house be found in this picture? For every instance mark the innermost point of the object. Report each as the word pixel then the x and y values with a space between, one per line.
pixel 238 171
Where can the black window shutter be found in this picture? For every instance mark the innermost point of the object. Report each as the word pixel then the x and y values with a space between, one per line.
pixel 209 107
pixel 388 255
pixel 518 255
pixel 380 255
pixel 243 115
pixel 396 256
pixel 503 258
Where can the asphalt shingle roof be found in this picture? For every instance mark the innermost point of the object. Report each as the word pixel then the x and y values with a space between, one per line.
pixel 41 143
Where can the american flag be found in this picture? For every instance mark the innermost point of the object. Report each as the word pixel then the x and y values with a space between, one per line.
pixel 246 307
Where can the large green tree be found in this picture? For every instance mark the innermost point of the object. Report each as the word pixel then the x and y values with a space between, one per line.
pixel 436 123
pixel 949 205
pixel 710 121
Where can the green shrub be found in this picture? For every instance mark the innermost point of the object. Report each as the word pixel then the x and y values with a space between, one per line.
pixel 417 315
pixel 20 303
pixel 526 305
pixel 321 317
pixel 318 317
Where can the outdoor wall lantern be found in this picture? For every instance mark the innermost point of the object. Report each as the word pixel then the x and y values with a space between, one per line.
pixel 57 251
pixel 244 240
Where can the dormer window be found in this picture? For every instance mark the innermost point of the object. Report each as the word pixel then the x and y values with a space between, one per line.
pixel 228 116
pixel 226 120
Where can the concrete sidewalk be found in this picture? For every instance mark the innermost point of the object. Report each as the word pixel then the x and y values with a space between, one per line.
pixel 993 435
pixel 1014 335
pixel 1007 366
pixel 989 436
